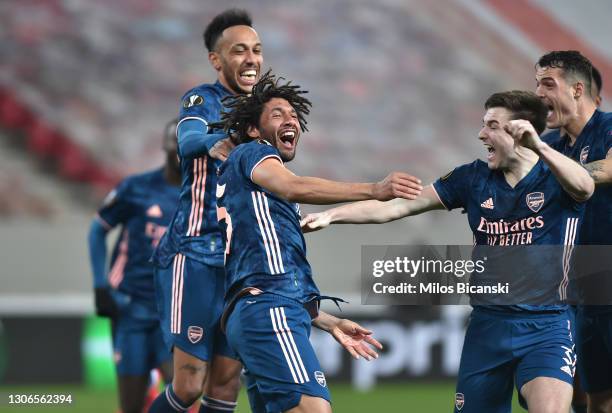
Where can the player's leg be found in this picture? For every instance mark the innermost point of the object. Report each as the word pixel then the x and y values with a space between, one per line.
pixel 271 335
pixel 595 354
pixel 310 404
pixel 547 395
pixel 544 375
pixel 222 385
pixel 131 361
pixel 484 383
pixel 183 301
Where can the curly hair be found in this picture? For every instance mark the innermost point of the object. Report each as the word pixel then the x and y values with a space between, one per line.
pixel 244 111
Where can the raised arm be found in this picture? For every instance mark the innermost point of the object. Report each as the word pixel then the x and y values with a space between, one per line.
pixel 374 212
pixel 273 176
pixel 574 179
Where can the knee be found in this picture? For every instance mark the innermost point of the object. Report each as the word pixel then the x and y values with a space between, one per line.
pixel 225 387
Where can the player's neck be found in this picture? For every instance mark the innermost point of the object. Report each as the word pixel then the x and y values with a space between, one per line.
pixel 520 167
pixel 575 127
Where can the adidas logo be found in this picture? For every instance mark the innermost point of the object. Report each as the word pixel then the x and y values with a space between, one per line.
pixel 488 204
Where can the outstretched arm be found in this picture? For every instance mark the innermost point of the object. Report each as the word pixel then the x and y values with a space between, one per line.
pixel 574 179
pixel 273 176
pixel 350 335
pixel 373 212
pixel 601 171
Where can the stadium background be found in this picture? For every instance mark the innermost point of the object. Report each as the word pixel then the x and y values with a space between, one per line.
pixel 86 88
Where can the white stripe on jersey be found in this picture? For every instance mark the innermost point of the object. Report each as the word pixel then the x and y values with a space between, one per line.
pixel 278 251
pixel 571 229
pixel 267 225
pixel 263 233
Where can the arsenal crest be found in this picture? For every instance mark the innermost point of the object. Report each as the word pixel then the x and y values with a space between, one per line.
pixel 535 200
pixel 584 154
pixel 459 400
pixel 320 378
pixel 195 334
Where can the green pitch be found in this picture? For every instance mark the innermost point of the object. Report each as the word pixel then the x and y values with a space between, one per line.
pixel 404 397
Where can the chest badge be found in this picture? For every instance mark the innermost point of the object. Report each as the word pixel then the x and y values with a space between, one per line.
pixel 584 154
pixel 535 200
pixel 488 204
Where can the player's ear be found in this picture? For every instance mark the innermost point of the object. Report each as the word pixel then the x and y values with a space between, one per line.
pixel 253 132
pixel 578 89
pixel 215 61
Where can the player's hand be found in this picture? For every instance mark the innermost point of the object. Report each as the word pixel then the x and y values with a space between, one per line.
pixel 524 134
pixel 222 149
pixel 397 185
pixel 105 303
pixel 356 339
pixel 315 222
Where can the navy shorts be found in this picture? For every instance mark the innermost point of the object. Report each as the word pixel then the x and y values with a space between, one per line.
pixel 271 334
pixel 138 347
pixel 594 348
pixel 502 350
pixel 190 302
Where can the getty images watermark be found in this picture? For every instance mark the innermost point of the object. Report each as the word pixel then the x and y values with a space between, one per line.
pixel 483 275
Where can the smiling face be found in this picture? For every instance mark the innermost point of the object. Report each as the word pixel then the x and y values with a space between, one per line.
pixel 559 95
pixel 498 143
pixel 279 125
pixel 237 58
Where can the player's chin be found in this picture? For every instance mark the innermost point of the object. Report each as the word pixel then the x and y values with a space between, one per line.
pixel 287 156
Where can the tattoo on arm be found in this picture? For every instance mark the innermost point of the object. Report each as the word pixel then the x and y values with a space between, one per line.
pixel 595 169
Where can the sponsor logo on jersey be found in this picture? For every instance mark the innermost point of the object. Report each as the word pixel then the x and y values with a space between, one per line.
pixel 488 204
pixel 154 211
pixel 584 154
pixel 459 400
pixel 193 100
pixel 320 378
pixel 535 200
pixel 195 334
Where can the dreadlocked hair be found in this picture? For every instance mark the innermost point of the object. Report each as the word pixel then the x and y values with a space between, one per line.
pixel 243 111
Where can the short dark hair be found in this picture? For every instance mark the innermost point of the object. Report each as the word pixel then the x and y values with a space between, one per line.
pixel 228 18
pixel 243 111
pixel 523 105
pixel 572 62
pixel 597 80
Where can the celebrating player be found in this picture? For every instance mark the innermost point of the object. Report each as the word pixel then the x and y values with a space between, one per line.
pixel 190 277
pixel 143 205
pixel 564 85
pixel 272 295
pixel 523 180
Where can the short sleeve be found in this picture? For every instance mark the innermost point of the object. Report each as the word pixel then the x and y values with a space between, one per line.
pixel 454 187
pixel 199 104
pixel 254 155
pixel 116 207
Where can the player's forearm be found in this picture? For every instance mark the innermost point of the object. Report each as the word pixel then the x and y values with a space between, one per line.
pixel 574 179
pixel 325 321
pixel 194 140
pixel 97 253
pixel 364 212
pixel 317 191
pixel 600 171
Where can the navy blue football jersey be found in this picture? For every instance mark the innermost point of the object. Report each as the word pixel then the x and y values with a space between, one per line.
pixel 264 242
pixel 537 211
pixel 593 144
pixel 194 231
pixel 143 205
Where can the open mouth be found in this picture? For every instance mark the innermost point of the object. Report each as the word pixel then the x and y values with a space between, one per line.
pixel 490 151
pixel 248 76
pixel 287 138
